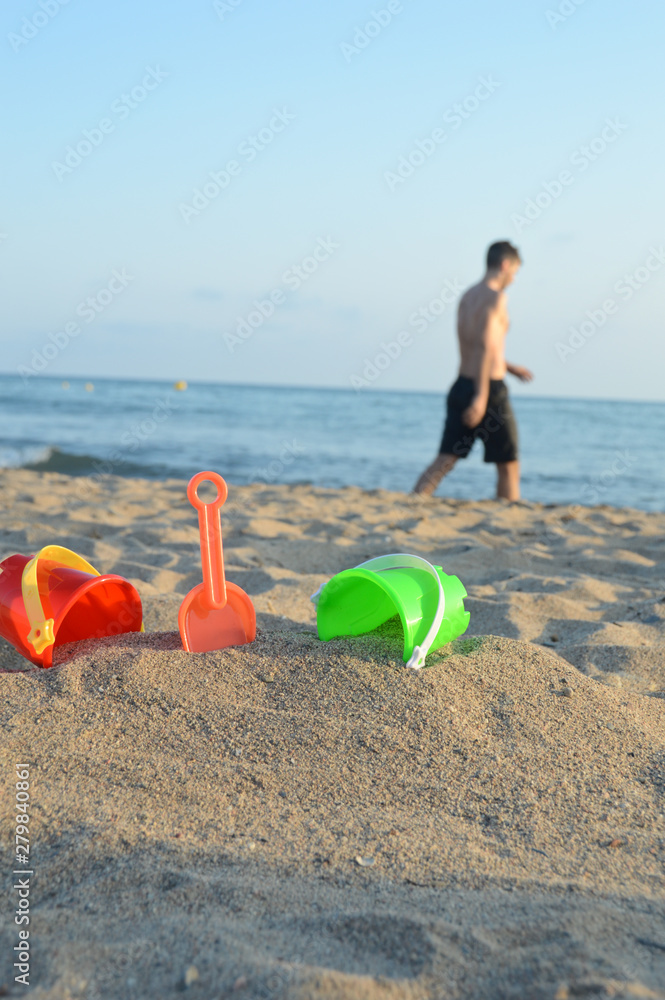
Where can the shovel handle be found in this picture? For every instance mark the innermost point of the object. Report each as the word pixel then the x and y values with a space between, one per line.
pixel 210 533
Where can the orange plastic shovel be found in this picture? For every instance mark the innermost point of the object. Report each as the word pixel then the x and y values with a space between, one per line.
pixel 215 614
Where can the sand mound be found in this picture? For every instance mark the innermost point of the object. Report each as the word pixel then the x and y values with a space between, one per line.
pixel 500 764
pixel 297 762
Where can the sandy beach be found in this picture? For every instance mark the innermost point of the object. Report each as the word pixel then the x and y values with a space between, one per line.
pixel 301 819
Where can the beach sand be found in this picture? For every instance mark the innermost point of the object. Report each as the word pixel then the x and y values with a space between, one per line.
pixel 301 819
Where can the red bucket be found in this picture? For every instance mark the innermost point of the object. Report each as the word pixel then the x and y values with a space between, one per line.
pixel 57 597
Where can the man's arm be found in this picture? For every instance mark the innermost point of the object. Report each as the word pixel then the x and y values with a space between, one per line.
pixel 520 372
pixel 489 344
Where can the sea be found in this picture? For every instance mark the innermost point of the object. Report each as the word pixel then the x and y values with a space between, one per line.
pixel 573 451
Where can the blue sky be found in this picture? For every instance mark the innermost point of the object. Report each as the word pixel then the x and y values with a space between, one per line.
pixel 556 143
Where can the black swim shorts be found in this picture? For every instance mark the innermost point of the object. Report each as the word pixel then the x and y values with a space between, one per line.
pixel 497 430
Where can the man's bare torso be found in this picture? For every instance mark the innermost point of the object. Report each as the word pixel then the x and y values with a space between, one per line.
pixel 478 307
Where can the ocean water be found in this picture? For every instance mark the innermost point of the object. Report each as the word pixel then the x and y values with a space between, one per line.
pixel 572 451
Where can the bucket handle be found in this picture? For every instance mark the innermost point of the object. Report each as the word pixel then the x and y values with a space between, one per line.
pixel 41 629
pixel 404 560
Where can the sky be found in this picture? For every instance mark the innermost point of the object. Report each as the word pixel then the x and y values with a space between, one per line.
pixel 295 193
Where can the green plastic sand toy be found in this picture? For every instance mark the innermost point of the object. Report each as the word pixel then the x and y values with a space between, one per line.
pixel 430 603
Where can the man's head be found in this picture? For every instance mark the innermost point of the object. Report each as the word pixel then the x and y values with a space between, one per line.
pixel 503 262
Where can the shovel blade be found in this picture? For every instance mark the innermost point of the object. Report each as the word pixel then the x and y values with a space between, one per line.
pixel 204 629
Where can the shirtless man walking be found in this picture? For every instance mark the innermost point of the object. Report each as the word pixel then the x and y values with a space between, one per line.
pixel 478 405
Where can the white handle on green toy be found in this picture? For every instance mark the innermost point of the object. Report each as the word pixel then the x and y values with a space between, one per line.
pixel 404 560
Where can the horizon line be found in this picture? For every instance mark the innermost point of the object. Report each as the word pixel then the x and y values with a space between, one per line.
pixel 316 388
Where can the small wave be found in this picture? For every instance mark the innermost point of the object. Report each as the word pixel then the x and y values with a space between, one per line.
pixel 17 457
pixel 66 463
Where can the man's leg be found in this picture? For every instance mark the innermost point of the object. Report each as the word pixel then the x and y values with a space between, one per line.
pixel 434 473
pixel 508 480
